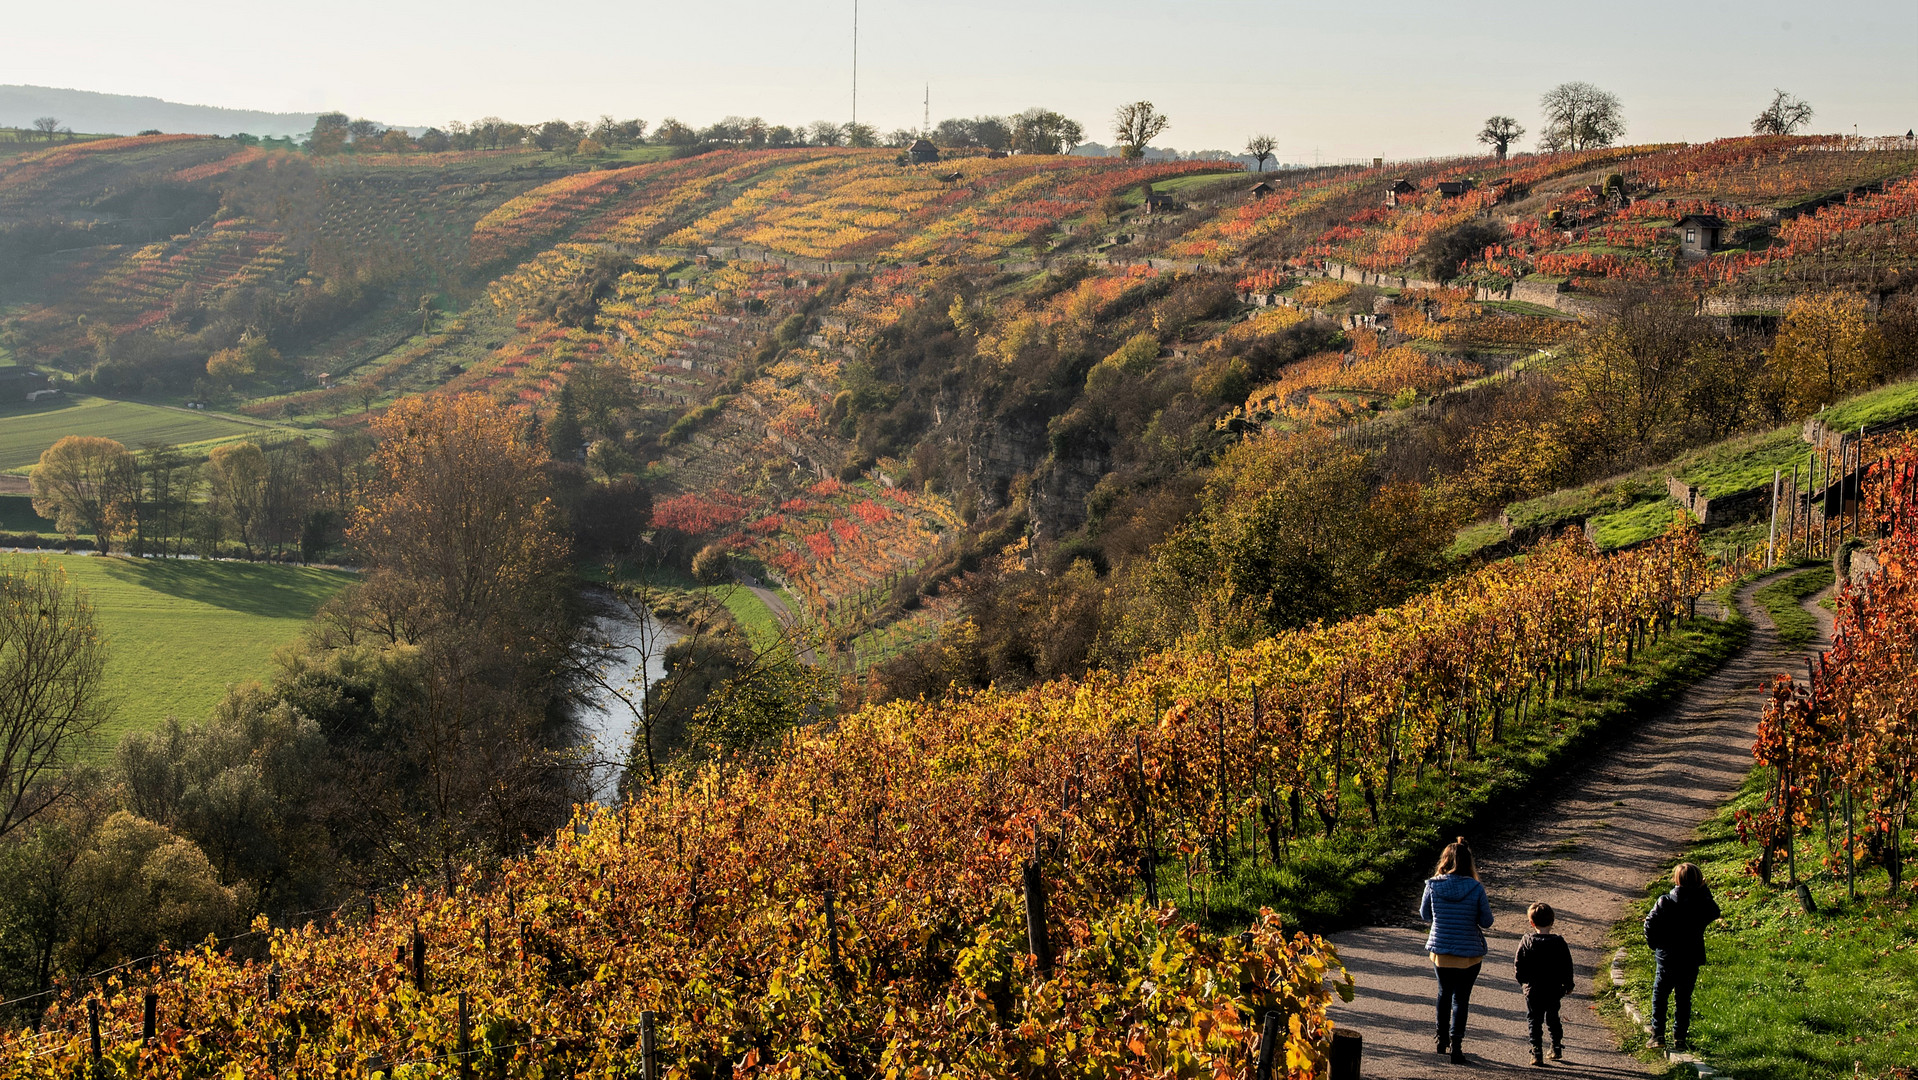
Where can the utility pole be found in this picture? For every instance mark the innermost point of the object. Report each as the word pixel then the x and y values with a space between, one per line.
pixel 855 61
pixel 927 122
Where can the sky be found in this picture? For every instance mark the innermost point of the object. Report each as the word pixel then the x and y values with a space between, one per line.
pixel 1330 81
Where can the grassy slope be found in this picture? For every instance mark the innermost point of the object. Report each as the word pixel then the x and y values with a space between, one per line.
pixel 179 632
pixel 1789 995
pixel 26 430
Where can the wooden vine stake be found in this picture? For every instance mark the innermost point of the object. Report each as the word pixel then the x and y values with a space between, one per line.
pixel 832 934
pixel 466 1041
pixel 1036 942
pixel 419 959
pixel 93 1028
pixel 648 1069
pixel 150 1018
pixel 1268 1045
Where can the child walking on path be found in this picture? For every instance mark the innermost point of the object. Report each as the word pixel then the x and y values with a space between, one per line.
pixel 1459 911
pixel 1675 930
pixel 1544 969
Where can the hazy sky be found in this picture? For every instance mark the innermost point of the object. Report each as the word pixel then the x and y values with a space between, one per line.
pixel 1343 79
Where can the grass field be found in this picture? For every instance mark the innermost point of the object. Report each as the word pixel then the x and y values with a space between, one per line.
pixel 27 430
pixel 1783 601
pixel 1786 995
pixel 179 632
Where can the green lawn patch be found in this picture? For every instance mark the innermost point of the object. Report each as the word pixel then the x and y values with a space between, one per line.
pixel 1326 882
pixel 1883 405
pixel 27 430
pixel 1784 599
pixel 1788 995
pixel 1634 524
pixel 1741 464
pixel 179 632
pixel 1474 538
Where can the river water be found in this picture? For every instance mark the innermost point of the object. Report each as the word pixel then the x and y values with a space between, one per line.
pixel 607 724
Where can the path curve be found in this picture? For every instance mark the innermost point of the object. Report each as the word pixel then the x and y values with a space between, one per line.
pixel 1615 823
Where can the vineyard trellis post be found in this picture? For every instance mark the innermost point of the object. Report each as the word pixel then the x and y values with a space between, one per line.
pixel 1771 540
pixel 832 933
pixel 419 959
pixel 1268 1045
pixel 465 1040
pixel 648 1067
pixel 151 1014
pixel 1035 889
pixel 93 1029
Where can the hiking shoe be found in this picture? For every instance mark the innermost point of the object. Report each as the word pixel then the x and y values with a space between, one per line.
pixel 1442 1045
pixel 1657 1043
pixel 1558 1052
pixel 1538 1056
pixel 1458 1058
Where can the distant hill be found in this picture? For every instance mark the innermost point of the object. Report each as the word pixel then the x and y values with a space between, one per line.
pixel 122 114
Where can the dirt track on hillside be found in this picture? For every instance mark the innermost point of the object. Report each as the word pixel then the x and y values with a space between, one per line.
pixel 1616 823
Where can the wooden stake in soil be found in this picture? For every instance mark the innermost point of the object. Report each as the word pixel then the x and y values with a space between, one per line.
pixel 647 1069
pixel 1036 942
pixel 465 1043
pixel 1268 1045
pixel 150 1019
pixel 93 1027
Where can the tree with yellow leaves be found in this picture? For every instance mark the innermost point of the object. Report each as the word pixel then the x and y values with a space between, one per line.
pixel 86 483
pixel 1827 348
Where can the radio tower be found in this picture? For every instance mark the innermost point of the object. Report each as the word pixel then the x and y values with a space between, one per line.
pixel 927 122
pixel 855 61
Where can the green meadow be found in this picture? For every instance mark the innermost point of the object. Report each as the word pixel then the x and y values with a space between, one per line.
pixel 179 632
pixel 27 430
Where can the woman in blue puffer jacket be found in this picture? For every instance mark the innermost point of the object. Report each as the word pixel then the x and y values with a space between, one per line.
pixel 1460 913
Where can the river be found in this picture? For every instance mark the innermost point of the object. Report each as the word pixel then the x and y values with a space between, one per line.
pixel 608 724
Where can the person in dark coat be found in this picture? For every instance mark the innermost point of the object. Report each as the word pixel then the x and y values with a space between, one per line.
pixel 1456 905
pixel 1544 969
pixel 1675 930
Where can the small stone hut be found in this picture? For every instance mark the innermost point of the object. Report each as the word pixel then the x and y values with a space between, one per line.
pixel 1699 235
pixel 922 152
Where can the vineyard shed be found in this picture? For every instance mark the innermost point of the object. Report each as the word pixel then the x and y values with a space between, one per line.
pixel 1261 189
pixel 922 152
pixel 1452 189
pixel 1698 234
pixel 1396 188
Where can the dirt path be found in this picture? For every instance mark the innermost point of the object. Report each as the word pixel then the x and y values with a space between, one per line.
pixel 1616 823
pixel 789 621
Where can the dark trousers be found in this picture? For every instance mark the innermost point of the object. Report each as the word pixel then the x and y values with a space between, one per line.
pixel 1454 999
pixel 1679 977
pixel 1541 1011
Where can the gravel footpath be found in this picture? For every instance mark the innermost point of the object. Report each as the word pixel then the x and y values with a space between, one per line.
pixel 1616 822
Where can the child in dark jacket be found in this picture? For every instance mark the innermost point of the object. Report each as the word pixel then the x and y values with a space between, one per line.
pixel 1675 930
pixel 1544 964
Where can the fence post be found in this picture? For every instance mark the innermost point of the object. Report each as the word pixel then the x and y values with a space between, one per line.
pixel 647 1069
pixel 419 959
pixel 273 982
pixel 93 1027
pixel 1268 1045
pixel 1036 942
pixel 148 1022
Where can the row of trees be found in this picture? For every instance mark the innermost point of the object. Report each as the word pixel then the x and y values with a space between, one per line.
pixel 1580 116
pixel 270 499
pixel 1034 131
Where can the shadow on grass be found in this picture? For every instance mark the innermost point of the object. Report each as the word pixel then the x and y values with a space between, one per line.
pixel 275 592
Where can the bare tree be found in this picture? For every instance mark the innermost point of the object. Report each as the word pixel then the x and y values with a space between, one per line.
pixel 1136 125
pixel 1784 116
pixel 47 126
pixel 1580 116
pixel 51 658
pixel 1261 147
pixel 1499 133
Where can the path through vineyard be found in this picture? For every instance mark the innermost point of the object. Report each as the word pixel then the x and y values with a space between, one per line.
pixel 1587 851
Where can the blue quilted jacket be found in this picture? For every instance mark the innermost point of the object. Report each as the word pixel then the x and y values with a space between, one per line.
pixel 1459 912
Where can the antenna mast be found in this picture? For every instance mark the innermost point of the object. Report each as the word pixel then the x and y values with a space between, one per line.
pixel 927 122
pixel 855 61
